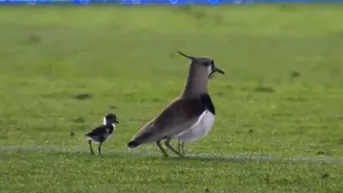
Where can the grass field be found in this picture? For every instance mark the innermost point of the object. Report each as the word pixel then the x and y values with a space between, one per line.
pixel 63 68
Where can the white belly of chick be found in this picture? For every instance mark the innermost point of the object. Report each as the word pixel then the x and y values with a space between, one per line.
pixel 200 129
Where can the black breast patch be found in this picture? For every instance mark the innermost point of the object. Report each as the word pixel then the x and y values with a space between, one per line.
pixel 207 102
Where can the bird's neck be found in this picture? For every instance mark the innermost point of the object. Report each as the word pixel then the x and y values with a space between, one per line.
pixel 196 83
pixel 109 124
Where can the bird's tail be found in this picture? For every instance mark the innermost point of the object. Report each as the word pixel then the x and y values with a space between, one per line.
pixel 133 144
pixel 87 136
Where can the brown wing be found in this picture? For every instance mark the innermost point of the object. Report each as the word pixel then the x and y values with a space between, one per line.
pixel 181 114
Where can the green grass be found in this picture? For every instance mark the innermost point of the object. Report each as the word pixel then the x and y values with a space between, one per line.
pixel 124 58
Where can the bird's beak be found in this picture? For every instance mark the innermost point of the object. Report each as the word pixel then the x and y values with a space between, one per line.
pixel 116 121
pixel 216 69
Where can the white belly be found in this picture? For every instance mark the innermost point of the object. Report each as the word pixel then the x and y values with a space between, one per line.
pixel 201 128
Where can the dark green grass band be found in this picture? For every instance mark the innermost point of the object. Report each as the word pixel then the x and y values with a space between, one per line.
pixel 203 157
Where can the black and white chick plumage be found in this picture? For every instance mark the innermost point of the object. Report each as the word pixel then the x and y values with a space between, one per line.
pixel 103 132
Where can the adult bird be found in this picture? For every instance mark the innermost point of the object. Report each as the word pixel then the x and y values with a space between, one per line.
pixel 189 117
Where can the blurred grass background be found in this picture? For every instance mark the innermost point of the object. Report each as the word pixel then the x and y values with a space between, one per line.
pixel 63 67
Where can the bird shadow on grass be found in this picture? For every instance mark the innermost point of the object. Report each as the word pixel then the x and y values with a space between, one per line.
pixel 82 96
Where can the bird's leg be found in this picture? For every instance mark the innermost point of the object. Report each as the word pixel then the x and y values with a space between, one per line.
pixel 90 147
pixel 99 148
pixel 158 143
pixel 167 143
pixel 179 146
pixel 183 148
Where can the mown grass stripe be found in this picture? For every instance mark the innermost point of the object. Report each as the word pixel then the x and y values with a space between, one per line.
pixel 222 157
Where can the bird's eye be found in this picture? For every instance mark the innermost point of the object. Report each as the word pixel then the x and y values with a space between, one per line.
pixel 207 63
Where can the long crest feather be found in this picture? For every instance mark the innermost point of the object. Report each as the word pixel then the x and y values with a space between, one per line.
pixel 185 55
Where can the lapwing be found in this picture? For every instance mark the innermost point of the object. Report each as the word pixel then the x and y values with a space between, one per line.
pixel 189 117
pixel 103 132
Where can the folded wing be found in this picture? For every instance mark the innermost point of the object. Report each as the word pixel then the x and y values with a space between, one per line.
pixel 179 116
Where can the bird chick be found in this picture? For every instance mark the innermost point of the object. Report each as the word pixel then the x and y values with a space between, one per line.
pixel 103 132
